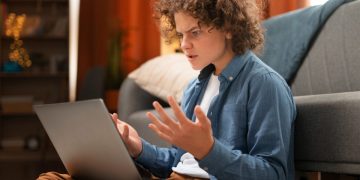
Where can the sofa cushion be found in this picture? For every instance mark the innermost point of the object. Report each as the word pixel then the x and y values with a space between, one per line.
pixel 165 75
pixel 333 63
pixel 327 133
pixel 288 37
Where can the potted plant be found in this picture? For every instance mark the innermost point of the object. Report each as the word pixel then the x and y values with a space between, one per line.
pixel 114 73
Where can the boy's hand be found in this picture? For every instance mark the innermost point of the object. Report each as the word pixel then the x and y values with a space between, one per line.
pixel 194 137
pixel 129 136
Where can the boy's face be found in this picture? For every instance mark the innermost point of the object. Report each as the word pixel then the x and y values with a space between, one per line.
pixel 203 45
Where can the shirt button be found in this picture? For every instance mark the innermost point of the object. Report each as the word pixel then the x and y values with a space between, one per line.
pixel 231 78
pixel 206 168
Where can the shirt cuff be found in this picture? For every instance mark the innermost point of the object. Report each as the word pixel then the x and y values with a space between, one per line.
pixel 147 155
pixel 218 157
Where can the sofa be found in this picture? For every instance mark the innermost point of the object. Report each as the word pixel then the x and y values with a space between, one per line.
pixel 326 87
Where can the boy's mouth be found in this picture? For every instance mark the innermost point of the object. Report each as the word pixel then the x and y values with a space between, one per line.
pixel 191 56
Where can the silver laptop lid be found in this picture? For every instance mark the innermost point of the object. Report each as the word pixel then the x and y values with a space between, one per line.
pixel 87 140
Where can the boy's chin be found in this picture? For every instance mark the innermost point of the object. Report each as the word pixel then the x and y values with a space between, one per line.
pixel 198 67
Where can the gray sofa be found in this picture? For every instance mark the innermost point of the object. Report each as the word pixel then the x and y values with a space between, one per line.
pixel 327 94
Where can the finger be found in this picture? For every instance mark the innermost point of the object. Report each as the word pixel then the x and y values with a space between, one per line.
pixel 114 117
pixel 201 116
pixel 179 114
pixel 125 133
pixel 164 116
pixel 160 125
pixel 51 175
pixel 118 123
pixel 163 136
pixel 45 178
pixel 66 176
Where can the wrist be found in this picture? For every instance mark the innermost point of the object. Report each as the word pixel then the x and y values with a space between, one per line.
pixel 206 150
pixel 137 151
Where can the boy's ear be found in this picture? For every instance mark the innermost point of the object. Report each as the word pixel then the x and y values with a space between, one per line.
pixel 228 35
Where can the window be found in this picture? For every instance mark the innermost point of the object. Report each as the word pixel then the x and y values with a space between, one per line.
pixel 317 2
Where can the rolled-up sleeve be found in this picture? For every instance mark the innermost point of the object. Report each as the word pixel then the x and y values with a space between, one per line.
pixel 158 160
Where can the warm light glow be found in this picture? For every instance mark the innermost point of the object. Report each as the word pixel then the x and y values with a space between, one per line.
pixel 73 46
pixel 317 2
pixel 168 48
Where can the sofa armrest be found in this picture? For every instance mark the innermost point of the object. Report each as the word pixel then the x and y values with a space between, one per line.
pixel 133 98
pixel 327 131
pixel 140 122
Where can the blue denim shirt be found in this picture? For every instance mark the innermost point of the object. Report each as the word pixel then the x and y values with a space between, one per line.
pixel 252 120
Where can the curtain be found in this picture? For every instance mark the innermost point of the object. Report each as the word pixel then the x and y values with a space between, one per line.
pixel 99 20
pixel 93 35
pixel 276 7
pixel 143 36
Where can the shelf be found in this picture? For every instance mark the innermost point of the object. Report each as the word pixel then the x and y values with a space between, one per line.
pixel 29 156
pixel 25 114
pixel 33 75
pixel 45 82
pixel 20 155
pixel 37 38
pixel 34 1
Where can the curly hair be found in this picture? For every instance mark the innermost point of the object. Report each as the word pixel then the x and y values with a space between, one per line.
pixel 239 17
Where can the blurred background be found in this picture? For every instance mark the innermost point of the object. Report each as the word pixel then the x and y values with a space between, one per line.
pixel 114 38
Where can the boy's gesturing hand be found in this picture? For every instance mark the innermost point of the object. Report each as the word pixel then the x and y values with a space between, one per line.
pixel 129 136
pixel 194 137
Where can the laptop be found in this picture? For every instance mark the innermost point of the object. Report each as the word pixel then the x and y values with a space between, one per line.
pixel 87 140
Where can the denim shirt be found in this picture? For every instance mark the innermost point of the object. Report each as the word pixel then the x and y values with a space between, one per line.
pixel 252 121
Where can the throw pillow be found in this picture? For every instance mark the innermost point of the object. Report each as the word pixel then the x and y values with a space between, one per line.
pixel 165 75
pixel 289 37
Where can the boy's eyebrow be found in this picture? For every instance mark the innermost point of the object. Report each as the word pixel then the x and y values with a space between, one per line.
pixel 191 29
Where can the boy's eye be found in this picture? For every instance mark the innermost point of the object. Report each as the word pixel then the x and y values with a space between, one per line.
pixel 179 35
pixel 195 33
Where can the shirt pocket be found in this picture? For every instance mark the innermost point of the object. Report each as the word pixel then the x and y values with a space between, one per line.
pixel 233 125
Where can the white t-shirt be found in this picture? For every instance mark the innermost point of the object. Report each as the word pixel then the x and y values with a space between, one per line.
pixel 212 90
pixel 188 165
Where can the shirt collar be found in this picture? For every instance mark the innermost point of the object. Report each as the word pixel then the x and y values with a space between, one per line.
pixel 206 72
pixel 232 70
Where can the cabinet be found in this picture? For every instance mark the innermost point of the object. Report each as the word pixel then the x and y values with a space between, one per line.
pixel 25 149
